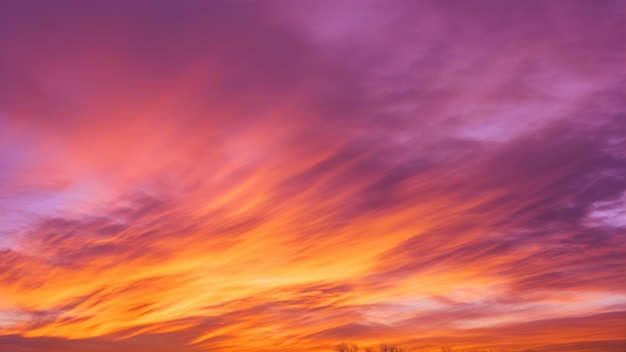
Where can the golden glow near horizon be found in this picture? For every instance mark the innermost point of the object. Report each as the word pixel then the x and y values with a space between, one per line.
pixel 255 177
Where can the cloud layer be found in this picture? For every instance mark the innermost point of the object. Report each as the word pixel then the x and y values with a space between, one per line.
pixel 254 175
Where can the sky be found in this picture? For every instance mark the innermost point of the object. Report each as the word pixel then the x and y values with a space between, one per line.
pixel 274 175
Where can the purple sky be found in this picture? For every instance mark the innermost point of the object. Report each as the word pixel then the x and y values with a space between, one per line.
pixel 259 175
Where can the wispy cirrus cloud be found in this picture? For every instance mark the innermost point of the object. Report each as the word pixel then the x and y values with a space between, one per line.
pixel 254 175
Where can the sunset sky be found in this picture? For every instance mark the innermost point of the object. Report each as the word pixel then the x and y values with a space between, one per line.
pixel 276 175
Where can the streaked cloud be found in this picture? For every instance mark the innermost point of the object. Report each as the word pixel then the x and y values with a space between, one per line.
pixel 257 175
